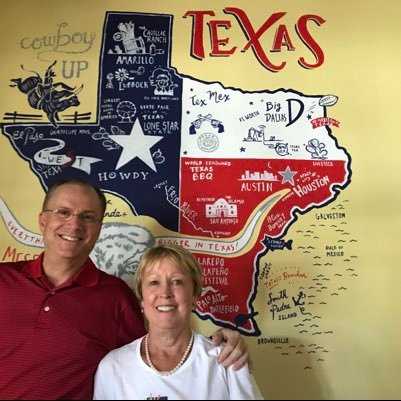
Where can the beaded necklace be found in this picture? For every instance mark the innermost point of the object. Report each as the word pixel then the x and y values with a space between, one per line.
pixel 169 372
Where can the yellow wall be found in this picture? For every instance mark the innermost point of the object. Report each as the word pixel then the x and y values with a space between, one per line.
pixel 362 67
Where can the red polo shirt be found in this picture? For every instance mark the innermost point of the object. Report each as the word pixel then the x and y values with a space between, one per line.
pixel 52 338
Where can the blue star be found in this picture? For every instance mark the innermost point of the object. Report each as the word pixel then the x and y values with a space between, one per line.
pixel 242 149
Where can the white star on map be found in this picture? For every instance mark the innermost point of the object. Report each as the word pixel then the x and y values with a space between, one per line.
pixel 136 144
pixel 288 176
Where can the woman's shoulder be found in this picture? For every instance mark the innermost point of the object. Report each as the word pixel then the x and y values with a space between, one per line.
pixel 201 339
pixel 206 344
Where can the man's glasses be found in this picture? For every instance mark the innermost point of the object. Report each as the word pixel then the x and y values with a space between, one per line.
pixel 66 215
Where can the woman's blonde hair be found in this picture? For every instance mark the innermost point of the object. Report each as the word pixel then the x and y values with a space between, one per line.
pixel 181 257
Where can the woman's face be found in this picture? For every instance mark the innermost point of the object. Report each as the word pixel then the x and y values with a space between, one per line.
pixel 167 295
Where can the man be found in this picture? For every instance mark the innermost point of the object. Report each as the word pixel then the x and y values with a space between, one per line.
pixel 59 314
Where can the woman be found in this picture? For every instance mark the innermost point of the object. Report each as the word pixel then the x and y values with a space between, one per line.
pixel 171 361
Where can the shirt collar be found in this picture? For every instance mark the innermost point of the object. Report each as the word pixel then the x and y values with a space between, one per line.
pixel 87 276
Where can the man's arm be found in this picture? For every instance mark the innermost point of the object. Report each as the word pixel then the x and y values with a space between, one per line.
pixel 235 351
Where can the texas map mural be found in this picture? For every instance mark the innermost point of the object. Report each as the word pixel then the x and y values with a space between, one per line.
pixel 224 172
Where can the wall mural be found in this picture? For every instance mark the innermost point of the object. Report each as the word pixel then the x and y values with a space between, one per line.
pixel 219 170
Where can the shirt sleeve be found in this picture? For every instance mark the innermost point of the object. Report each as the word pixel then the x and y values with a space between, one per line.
pixel 131 322
pixel 242 385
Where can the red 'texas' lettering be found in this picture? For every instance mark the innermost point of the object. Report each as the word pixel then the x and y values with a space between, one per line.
pixel 309 41
pixel 282 38
pixel 198 50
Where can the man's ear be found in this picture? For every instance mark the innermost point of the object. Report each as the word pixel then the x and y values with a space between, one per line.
pixel 42 221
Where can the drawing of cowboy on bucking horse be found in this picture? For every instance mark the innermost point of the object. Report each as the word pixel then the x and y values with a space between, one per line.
pixel 44 94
